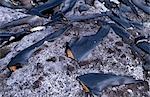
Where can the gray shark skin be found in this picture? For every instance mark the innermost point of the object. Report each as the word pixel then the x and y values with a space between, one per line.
pixel 68 5
pixel 142 43
pixel 139 47
pixel 120 32
pixel 145 46
pixel 130 4
pixel 146 65
pixel 126 37
pixel 22 57
pixel 141 5
pixel 134 45
pixel 122 21
pixel 31 20
pixel 45 8
pixel 97 82
pixel 75 18
pixel 80 47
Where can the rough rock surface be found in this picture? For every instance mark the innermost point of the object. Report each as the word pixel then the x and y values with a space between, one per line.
pixel 49 73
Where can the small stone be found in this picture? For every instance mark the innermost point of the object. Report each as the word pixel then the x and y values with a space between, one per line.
pixel 52 59
pixel 110 51
pixel 36 84
pixel 119 43
pixel 119 50
pixel 38 51
pixel 70 68
pixel 61 58
pixel 41 78
pixel 123 56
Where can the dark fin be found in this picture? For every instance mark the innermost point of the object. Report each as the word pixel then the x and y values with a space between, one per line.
pixel 140 4
pixel 45 9
pixel 67 7
pixel 128 3
pixel 80 47
pixel 146 65
pixel 22 57
pixel 136 51
pixel 113 16
pixel 75 18
pixel 97 82
pixel 121 32
pixel 25 20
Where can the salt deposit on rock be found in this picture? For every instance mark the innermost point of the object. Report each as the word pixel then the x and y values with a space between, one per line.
pixel 49 73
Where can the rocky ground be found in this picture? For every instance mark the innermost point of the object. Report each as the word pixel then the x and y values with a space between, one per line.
pixel 49 73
